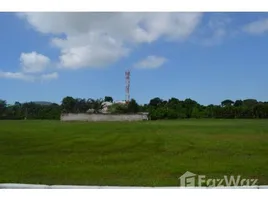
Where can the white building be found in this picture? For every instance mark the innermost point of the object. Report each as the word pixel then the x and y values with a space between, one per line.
pixel 106 105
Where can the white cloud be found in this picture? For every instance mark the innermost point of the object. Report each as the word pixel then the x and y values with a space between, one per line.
pixel 99 39
pixel 151 62
pixel 216 37
pixel 33 62
pixel 50 76
pixel 26 77
pixel 16 75
pixel 92 50
pixel 215 29
pixel 257 27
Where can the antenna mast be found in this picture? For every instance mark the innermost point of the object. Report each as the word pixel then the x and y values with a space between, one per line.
pixel 127 77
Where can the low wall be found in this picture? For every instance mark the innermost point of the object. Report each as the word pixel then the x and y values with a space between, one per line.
pixel 103 117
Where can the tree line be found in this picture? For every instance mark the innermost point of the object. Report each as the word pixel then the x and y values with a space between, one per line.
pixel 29 110
pixel 157 108
pixel 188 108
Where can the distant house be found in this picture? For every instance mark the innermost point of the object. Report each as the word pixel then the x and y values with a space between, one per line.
pixel 106 105
pixel 120 102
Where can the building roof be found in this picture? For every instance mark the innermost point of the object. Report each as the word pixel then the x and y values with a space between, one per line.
pixel 107 103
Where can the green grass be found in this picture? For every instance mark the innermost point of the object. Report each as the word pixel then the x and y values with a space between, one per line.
pixel 153 153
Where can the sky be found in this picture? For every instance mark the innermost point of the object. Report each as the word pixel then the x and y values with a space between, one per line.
pixel 208 57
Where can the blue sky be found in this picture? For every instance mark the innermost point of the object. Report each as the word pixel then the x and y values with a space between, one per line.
pixel 208 57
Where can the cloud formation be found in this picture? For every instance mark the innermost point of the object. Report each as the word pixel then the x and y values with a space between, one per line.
pixel 50 76
pixel 214 29
pixel 32 68
pixel 28 77
pixel 151 62
pixel 33 62
pixel 256 27
pixel 16 75
pixel 99 39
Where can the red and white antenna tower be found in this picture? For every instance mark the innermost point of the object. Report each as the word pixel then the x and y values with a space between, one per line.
pixel 127 77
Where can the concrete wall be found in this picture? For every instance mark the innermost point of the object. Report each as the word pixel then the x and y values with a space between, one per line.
pixel 103 117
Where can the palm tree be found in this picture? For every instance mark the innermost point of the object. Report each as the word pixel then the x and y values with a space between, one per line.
pixel 97 105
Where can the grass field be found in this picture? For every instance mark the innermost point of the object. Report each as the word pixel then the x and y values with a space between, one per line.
pixel 153 153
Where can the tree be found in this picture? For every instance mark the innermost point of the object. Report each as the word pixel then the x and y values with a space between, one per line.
pixel 158 113
pixel 209 111
pixel 68 104
pixel 81 106
pixel 227 102
pixel 132 106
pixel 118 108
pixel 108 98
pixel 97 105
pixel 18 104
pixel 157 108
pixel 196 113
pixel 155 102
pixel 250 102
pixel 238 103
pixel 172 114
pixel 173 102
pixel 189 104
pixel 3 105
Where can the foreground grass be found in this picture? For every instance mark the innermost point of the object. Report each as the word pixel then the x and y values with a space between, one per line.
pixel 132 154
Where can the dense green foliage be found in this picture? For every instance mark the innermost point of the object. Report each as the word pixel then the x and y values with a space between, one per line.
pixel 108 98
pixel 152 153
pixel 29 110
pixel 157 108
pixel 174 108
